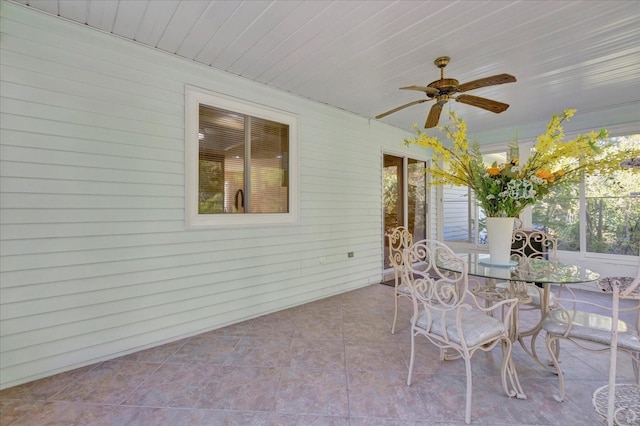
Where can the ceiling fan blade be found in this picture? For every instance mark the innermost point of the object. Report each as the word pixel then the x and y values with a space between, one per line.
pixel 391 111
pixel 433 117
pixel 487 81
pixel 484 103
pixel 426 89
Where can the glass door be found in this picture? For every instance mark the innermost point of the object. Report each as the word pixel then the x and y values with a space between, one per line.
pixel 417 198
pixel 404 198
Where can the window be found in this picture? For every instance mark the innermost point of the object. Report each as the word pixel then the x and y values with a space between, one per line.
pixel 241 166
pixel 601 216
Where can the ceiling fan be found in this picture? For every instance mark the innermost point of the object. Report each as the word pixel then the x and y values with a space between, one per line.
pixel 444 89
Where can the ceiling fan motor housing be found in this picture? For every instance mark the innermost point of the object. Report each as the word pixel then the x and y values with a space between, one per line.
pixel 446 86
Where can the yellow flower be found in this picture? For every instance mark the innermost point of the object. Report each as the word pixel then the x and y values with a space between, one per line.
pixel 506 189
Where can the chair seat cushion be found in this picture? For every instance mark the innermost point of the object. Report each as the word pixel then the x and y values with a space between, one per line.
pixel 403 289
pixel 477 327
pixel 533 293
pixel 590 326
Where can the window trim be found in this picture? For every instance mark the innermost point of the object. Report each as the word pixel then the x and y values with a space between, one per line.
pixel 194 96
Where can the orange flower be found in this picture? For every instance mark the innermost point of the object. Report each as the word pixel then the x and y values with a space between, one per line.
pixel 546 174
pixel 559 173
pixel 493 171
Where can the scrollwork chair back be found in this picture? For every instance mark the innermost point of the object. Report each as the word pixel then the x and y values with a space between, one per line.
pixel 399 239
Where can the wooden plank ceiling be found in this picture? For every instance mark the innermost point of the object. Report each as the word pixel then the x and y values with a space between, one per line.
pixel 355 55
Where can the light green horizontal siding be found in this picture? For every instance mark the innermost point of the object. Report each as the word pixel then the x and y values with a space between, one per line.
pixel 95 259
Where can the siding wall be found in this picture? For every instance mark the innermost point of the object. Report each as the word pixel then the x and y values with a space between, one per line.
pixel 95 258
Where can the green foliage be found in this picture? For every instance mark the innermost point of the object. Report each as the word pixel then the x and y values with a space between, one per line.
pixel 390 200
pixel 612 213
pixel 213 204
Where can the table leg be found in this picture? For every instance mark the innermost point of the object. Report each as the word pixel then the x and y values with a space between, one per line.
pixel 535 331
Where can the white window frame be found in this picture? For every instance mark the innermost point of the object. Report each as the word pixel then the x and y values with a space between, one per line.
pixel 194 97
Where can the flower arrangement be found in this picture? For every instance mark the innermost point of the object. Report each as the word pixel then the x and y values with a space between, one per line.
pixel 504 190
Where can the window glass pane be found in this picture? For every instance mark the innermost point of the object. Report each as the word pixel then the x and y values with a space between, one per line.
pixel 222 159
pixel 559 214
pixel 613 208
pixel 269 167
pixel 211 183
pixel 391 193
pixel 417 198
pixel 394 198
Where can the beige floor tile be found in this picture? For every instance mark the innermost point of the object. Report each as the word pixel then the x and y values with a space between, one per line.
pixel 330 362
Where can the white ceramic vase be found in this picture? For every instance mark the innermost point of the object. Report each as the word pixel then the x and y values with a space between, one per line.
pixel 499 235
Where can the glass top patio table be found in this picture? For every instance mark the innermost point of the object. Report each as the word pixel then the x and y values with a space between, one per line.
pixel 531 270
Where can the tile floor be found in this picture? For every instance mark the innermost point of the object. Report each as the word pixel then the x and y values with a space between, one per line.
pixel 330 362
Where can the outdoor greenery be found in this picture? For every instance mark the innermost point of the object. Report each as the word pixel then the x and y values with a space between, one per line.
pixel 211 187
pixel 415 197
pixel 612 210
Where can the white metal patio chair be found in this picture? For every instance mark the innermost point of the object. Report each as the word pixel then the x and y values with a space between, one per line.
pixel 596 327
pixel 531 244
pixel 622 405
pixel 399 239
pixel 525 245
pixel 448 315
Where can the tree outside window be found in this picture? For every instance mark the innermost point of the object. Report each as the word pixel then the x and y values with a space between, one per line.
pixel 612 211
